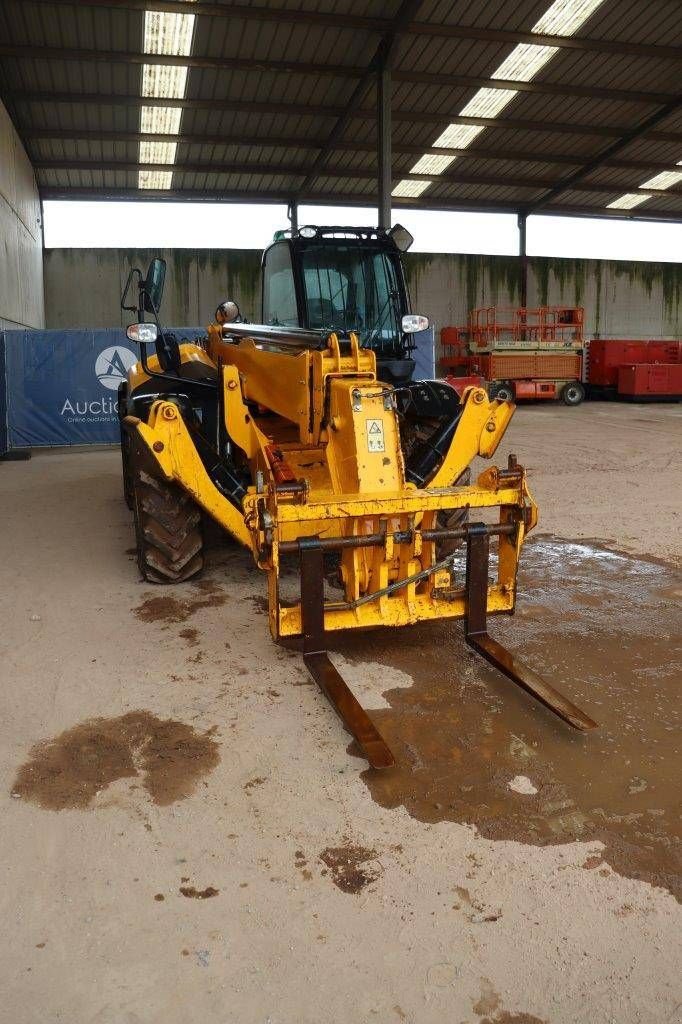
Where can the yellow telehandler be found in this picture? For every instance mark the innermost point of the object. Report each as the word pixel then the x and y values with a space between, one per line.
pixel 305 437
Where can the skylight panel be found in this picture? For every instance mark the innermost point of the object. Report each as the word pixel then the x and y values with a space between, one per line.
pixel 160 120
pixel 524 62
pixel 488 102
pixel 565 17
pixel 628 201
pixel 411 189
pixel 430 164
pixel 666 179
pixel 164 82
pixel 458 136
pixel 155 179
pixel 158 152
pixel 562 18
pixel 170 34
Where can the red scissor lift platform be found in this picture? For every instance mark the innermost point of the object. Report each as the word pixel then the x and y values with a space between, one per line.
pixel 520 352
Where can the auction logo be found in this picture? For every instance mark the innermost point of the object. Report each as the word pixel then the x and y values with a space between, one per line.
pixel 112 365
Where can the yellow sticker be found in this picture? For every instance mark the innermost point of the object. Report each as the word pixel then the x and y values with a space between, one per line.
pixel 375 436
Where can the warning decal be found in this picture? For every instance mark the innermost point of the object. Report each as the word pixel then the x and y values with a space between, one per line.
pixel 375 436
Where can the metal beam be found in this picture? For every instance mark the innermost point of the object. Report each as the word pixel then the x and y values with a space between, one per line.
pixel 384 156
pixel 335 71
pixel 305 143
pixel 300 171
pixel 343 199
pixel 383 57
pixel 570 90
pixel 572 182
pixel 383 25
pixel 362 113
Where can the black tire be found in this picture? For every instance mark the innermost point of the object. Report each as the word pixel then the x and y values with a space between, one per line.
pixel 170 545
pixel 572 393
pixel 452 519
pixel 128 496
pixel 505 392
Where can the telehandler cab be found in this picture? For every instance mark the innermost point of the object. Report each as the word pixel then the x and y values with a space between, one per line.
pixel 304 437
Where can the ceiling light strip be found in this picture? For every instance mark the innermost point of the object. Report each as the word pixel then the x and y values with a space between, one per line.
pixel 562 18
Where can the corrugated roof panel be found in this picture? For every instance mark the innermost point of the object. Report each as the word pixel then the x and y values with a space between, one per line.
pixel 306 105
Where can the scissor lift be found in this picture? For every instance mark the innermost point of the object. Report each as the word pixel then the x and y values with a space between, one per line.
pixel 520 352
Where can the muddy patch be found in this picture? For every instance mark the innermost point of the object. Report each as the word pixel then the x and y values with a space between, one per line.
pixel 351 867
pixel 191 636
pixel 471 747
pixel 168 757
pixel 173 609
pixel 260 604
pixel 505 1017
pixel 198 894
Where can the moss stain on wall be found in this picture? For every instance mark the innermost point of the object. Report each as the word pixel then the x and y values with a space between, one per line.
pixel 504 279
pixel 539 268
pixel 416 265
pixel 666 276
pixel 243 280
pixel 621 296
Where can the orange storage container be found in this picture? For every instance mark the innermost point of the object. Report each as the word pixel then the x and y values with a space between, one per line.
pixel 534 365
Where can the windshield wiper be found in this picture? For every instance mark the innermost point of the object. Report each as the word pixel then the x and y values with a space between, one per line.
pixel 388 306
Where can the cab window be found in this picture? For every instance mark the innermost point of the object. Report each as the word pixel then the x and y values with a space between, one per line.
pixel 279 294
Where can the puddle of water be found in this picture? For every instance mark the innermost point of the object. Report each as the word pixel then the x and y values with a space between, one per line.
pixel 70 770
pixel 606 632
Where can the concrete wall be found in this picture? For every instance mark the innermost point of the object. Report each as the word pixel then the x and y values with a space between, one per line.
pixel 621 299
pixel 83 288
pixel 21 235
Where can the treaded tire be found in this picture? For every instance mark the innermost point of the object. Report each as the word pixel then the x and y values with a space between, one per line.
pixel 167 527
pixel 572 393
pixel 505 392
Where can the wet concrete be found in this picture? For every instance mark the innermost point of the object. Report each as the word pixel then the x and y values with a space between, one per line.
pixel 69 771
pixel 605 629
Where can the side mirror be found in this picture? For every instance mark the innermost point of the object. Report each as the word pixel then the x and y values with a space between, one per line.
pixel 413 322
pixel 227 312
pixel 152 286
pixel 142 334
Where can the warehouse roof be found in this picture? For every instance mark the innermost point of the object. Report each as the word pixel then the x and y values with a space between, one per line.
pixel 276 100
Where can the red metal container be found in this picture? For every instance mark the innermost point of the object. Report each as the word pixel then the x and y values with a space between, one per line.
pixel 662 381
pixel 460 383
pixel 606 355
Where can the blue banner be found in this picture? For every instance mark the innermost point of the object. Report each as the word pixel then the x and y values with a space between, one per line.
pixel 60 387
pixel 424 354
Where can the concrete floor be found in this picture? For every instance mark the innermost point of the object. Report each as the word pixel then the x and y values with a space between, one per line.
pixel 191 841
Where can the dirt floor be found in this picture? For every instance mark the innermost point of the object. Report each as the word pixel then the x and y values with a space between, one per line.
pixel 187 835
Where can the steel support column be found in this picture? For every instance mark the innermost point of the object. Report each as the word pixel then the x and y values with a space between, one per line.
pixel 384 160
pixel 523 261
